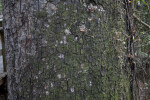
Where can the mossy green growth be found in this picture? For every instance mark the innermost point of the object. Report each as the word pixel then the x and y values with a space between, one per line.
pixel 78 59
pixel 41 14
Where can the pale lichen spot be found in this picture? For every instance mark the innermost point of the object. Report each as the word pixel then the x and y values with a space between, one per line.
pixel 39 72
pixel 56 43
pixel 123 42
pixel 84 4
pixel 79 71
pixel 90 83
pixel 61 42
pixel 64 75
pixel 44 41
pixel 59 76
pixel 82 66
pixel 103 72
pixel 67 32
pixel 47 92
pixel 36 77
pixel 64 39
pixel 72 89
pixel 43 59
pixel 82 28
pixel 90 19
pixel 61 56
pixel 99 19
pixel 51 8
pixel 52 85
pixel 76 38
pixel 49 20
pixel 101 9
pixel 46 25
pixel 47 67
pixel 67 9
pixel 65 42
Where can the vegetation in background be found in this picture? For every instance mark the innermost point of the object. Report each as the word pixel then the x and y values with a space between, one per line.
pixel 142 46
pixel 0 7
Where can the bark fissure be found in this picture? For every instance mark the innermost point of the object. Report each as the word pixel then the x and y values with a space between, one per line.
pixel 130 45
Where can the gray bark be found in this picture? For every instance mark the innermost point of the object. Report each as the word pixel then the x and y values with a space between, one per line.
pixel 65 50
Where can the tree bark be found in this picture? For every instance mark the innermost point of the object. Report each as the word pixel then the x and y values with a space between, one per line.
pixel 65 50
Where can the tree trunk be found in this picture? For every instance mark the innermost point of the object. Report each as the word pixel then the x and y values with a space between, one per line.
pixel 65 50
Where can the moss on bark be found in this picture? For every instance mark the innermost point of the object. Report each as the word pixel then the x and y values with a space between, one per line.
pixel 77 54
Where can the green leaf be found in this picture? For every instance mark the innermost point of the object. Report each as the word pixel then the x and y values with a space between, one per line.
pixel 137 1
pixel 144 2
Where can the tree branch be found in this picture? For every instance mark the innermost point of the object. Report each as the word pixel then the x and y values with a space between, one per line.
pixel 142 22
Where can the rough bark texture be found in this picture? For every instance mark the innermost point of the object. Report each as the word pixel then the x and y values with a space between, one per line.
pixel 130 31
pixel 65 50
